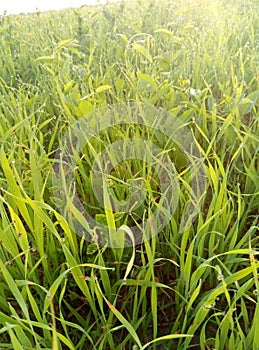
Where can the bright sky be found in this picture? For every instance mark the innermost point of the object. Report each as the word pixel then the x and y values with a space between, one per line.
pixel 18 6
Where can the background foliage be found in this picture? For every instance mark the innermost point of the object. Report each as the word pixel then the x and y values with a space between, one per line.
pixel 198 289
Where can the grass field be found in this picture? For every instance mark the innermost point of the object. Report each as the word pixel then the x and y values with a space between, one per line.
pixel 195 288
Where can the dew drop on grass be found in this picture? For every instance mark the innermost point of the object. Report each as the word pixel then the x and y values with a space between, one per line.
pixel 208 306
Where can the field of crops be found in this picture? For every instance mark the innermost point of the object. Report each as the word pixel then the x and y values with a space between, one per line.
pixel 187 284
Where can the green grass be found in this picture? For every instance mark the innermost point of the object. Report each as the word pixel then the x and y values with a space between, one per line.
pixel 191 289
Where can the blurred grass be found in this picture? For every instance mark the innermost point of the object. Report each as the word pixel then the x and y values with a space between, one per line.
pixel 194 289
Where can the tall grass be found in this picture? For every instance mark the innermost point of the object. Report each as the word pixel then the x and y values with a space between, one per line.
pixel 179 290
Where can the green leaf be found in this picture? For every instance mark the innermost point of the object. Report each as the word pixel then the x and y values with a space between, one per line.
pixel 13 288
pixel 148 79
pixel 69 86
pixel 247 104
pixel 121 318
pixel 165 337
pixel 91 249
pixel 164 31
pixel 143 51
pixel 103 88
pixel 45 59
pixel 67 43
pixel 164 63
pixel 123 38
pixel 169 33
pixel 85 107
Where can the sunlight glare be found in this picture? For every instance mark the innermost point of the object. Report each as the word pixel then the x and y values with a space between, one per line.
pixel 27 6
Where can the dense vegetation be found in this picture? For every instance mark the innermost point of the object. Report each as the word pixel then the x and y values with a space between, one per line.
pixel 198 60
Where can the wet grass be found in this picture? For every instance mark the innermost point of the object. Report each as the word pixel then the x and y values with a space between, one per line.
pixel 196 289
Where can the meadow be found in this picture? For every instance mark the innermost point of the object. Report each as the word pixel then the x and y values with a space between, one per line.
pixel 195 288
